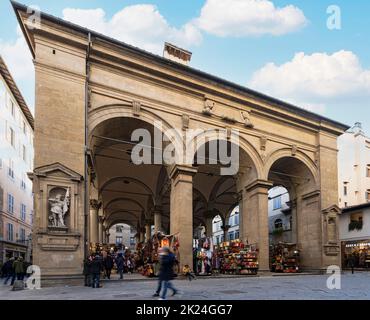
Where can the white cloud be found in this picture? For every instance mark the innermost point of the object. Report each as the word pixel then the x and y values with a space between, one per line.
pixel 18 58
pixel 240 18
pixel 140 25
pixel 314 80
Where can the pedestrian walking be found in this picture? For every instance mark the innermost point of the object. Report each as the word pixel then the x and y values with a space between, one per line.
pixel 108 265
pixel 8 271
pixel 18 267
pixel 120 265
pixel 87 272
pixel 351 263
pixel 167 260
pixel 96 269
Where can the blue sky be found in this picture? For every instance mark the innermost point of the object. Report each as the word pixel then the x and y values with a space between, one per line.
pixel 330 76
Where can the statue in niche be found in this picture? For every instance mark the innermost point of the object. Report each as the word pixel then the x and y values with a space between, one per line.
pixel 59 208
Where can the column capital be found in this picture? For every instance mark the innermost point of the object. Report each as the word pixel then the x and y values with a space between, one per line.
pixel 263 184
pixel 95 204
pixel 180 169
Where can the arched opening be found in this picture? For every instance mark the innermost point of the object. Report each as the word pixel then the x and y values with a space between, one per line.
pixel 122 236
pixel 294 215
pixel 129 177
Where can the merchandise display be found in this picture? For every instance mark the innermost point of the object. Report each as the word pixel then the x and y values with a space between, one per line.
pixel 284 257
pixel 237 258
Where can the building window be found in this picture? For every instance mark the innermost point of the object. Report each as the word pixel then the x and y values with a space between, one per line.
pixel 24 153
pixel 118 240
pixel 12 108
pixel 23 212
pixel 236 219
pixel 236 234
pixel 356 222
pixel 11 169
pixel 23 184
pixel 278 223
pixel 119 229
pixel 22 235
pixel 10 232
pixel 132 241
pixel 31 217
pixel 11 136
pixel 277 203
pixel 367 195
pixel 231 235
pixel 368 171
pixel 345 204
pixel 24 128
pixel 10 203
pixel 345 190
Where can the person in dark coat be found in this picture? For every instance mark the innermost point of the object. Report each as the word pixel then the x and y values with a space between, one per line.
pixel 87 272
pixel 167 260
pixel 120 265
pixel 8 271
pixel 108 265
pixel 351 263
pixel 96 269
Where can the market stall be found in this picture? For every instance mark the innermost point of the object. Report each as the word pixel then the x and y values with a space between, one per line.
pixel 237 258
pixel 149 253
pixel 284 257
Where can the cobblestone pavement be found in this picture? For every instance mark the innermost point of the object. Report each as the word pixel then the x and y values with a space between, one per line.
pixel 298 287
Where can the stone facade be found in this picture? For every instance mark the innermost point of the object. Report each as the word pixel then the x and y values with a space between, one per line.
pixel 84 80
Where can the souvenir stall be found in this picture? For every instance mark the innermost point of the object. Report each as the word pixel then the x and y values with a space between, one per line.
pixel 237 258
pixel 203 250
pixel 150 253
pixel 284 257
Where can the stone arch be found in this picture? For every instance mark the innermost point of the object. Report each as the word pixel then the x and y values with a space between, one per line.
pixel 124 110
pixel 244 145
pixel 287 153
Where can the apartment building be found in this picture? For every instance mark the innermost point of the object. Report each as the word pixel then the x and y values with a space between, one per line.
pixel 16 160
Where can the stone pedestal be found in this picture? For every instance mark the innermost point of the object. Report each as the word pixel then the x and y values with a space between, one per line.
pixel 181 220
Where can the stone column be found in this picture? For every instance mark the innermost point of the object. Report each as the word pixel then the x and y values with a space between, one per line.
pixel 181 219
pixel 255 220
pixel 142 235
pixel 94 220
pixel 148 231
pixel 101 230
pixel 157 220
pixel 209 224
pixel 225 229
pixel 293 210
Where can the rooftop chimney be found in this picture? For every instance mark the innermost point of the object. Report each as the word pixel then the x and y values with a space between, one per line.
pixel 176 54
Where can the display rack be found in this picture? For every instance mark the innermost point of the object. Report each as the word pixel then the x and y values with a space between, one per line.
pixel 237 258
pixel 284 257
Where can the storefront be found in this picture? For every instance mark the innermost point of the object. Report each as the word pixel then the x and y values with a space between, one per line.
pixel 357 252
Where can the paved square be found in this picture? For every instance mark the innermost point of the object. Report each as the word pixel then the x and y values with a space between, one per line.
pixel 301 287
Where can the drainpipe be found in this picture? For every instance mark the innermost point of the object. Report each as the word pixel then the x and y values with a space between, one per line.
pixel 86 196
